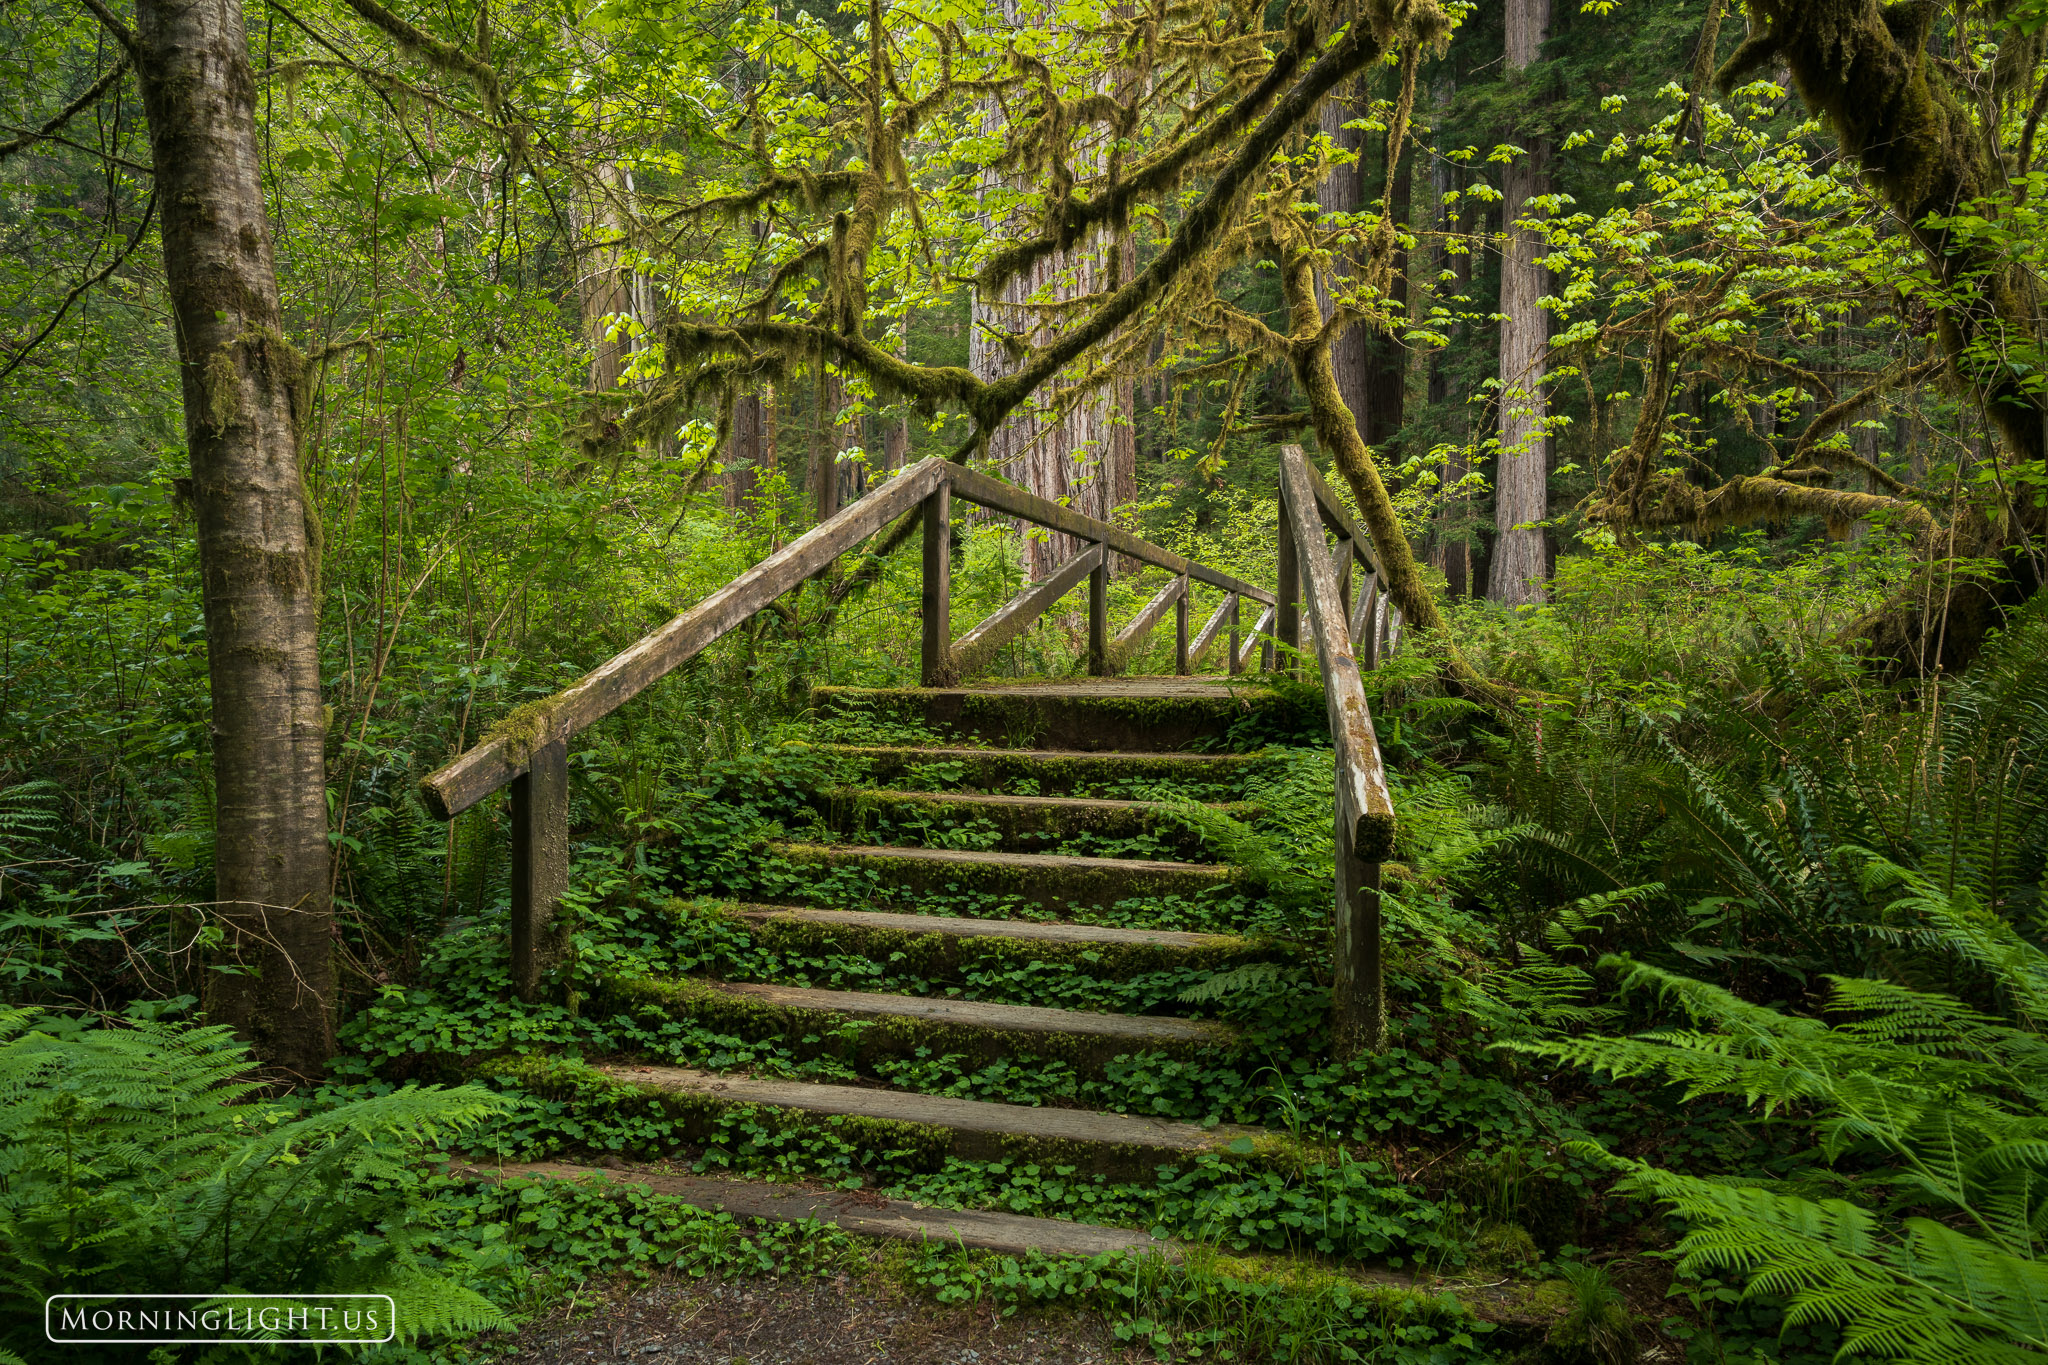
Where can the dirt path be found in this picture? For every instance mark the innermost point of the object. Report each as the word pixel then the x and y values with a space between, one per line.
pixel 834 1321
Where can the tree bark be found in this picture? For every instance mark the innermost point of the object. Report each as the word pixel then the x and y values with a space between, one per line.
pixel 1343 191
pixel 259 538
pixel 749 449
pixel 1385 362
pixel 1521 485
pixel 1080 456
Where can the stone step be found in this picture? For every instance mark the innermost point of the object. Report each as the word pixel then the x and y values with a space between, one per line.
pixel 1523 1313
pixel 1029 824
pixel 976 1129
pixel 1051 882
pixel 1130 715
pixel 862 1025
pixel 1052 771
pixel 942 946
pixel 852 1211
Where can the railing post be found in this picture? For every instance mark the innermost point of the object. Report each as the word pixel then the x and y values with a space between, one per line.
pixel 1287 614
pixel 1180 628
pixel 540 865
pixel 1235 664
pixel 1358 1005
pixel 1098 617
pixel 937 602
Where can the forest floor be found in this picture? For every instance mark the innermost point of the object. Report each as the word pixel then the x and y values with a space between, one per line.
pixel 840 1320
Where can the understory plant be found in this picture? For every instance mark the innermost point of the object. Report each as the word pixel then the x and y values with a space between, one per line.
pixel 141 1159
pixel 1922 1238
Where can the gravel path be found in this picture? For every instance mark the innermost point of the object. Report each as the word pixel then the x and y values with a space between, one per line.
pixel 834 1321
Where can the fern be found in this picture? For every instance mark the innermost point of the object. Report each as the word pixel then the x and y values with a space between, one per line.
pixel 1947 1102
pixel 28 818
pixel 140 1160
pixel 1250 977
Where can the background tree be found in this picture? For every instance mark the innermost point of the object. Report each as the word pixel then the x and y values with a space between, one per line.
pixel 1521 561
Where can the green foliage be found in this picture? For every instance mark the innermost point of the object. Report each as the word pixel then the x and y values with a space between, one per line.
pixel 136 1160
pixel 1929 1109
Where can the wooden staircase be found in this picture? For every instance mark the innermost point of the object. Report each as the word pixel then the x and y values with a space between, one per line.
pixel 1033 761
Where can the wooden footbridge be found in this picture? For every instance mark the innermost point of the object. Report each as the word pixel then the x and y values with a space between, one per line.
pixel 1060 741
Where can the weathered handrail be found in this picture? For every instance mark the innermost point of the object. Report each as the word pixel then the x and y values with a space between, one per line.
pixel 528 750
pixel 1365 809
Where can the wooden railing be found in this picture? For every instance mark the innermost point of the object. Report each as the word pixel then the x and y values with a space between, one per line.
pixel 528 750
pixel 1310 570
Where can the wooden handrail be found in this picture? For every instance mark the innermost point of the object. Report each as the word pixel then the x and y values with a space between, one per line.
pixel 997 496
pixel 1365 809
pixel 503 754
pixel 528 750
pixel 977 648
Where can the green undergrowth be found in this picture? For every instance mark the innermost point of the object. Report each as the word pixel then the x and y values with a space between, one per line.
pixel 1208 1305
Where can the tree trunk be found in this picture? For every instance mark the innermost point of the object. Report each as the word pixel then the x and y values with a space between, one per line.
pixel 259 538
pixel 1343 191
pixel 750 448
pixel 1074 456
pixel 1450 537
pixel 829 390
pixel 1385 362
pixel 1521 486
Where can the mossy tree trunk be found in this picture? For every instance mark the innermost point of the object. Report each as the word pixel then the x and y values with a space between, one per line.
pixel 1916 125
pixel 259 546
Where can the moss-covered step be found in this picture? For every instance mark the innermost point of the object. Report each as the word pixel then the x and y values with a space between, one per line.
pixel 976 1129
pixel 859 1025
pixel 942 946
pixel 1051 882
pixel 1061 772
pixel 1142 715
pixel 856 1212
pixel 1028 824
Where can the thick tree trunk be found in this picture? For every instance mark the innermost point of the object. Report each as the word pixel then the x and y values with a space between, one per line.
pixel 1067 456
pixel 1521 486
pixel 750 448
pixel 1385 363
pixel 1343 191
pixel 259 542
pixel 1081 456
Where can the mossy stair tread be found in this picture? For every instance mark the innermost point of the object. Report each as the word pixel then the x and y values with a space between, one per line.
pixel 1136 1029
pixel 988 928
pixel 1240 810
pixel 850 1211
pixel 940 1111
pixel 1189 764
pixel 1039 862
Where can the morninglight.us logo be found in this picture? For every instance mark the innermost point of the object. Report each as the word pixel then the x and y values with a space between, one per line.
pixel 219 1319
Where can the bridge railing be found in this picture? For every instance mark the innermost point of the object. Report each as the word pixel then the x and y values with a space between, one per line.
pixel 1348 638
pixel 528 750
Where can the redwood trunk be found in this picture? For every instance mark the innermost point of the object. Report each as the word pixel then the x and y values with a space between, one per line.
pixel 749 449
pixel 259 552
pixel 1343 191
pixel 1083 456
pixel 1521 485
